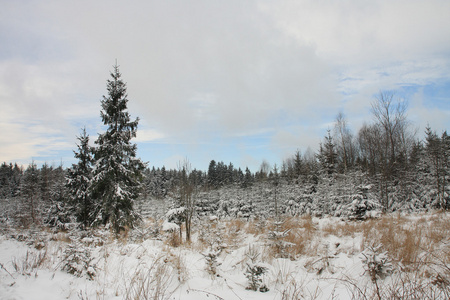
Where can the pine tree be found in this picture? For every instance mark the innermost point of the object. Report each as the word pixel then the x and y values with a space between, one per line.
pixel 117 172
pixel 79 180
pixel 212 174
pixel 59 213
pixel 30 192
pixel 275 181
pixel 5 180
pixel 248 178
pixel 45 182
pixel 327 155
pixel 437 159
pixel 298 164
pixel 58 189
pixel 17 174
pixel 446 171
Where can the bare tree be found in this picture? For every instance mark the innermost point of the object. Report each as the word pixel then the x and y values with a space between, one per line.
pixel 393 138
pixel 188 190
pixel 390 115
pixel 344 142
pixel 370 148
pixel 264 169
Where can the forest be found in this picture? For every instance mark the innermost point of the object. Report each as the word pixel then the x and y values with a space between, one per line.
pixel 384 167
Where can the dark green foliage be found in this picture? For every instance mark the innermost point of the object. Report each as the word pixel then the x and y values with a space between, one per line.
pixel 248 178
pixel 255 271
pixel 30 192
pixel 437 170
pixel 79 180
pixel 10 176
pixel 327 155
pixel 118 172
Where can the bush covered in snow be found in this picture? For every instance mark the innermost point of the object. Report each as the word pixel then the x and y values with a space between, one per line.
pixel 78 261
pixel 376 263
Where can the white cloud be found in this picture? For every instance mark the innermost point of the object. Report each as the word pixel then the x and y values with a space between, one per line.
pixel 372 45
pixel 175 55
pixel 147 135
pixel 197 70
pixel 360 31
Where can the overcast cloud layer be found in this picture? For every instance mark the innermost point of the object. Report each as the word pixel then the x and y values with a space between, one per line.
pixel 237 81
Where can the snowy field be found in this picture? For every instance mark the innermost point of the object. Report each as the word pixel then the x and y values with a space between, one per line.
pixel 394 256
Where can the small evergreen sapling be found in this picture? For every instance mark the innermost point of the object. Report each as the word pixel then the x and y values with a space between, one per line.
pixel 213 237
pixel 78 261
pixel 255 271
pixel 277 242
pixel 376 263
pixel 211 261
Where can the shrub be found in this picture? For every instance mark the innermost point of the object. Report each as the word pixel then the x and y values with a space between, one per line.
pixel 376 263
pixel 78 261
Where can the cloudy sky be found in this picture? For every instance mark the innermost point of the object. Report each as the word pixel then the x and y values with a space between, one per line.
pixel 235 81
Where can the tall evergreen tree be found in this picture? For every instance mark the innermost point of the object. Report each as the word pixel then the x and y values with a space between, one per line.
pixel 45 182
pixel 118 172
pixel 298 164
pixel 59 212
pixel 437 159
pixel 79 180
pixel 275 181
pixel 6 175
pixel 212 174
pixel 248 178
pixel 30 192
pixel 327 155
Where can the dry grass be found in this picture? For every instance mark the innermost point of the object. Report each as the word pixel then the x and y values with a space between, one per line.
pixel 300 233
pixel 173 239
pixel 342 229
pixel 150 283
pixel 30 263
pixel 178 263
pixel 256 226
pixel 406 239
pixel 402 285
pixel 236 225
pixel 61 237
pixel 418 246
pixel 233 232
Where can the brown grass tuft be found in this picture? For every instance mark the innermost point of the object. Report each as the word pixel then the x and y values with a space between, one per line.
pixel 173 239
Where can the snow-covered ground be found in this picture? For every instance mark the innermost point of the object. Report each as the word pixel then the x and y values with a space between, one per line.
pixel 310 258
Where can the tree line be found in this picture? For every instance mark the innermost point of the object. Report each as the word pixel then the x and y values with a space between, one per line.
pixel 384 156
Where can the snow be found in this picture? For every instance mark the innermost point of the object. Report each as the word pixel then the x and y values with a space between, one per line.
pixel 168 226
pixel 122 266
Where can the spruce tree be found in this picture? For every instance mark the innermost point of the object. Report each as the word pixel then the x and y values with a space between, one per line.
pixel 212 174
pixel 327 155
pixel 437 158
pixel 30 192
pixel 298 164
pixel 118 172
pixel 79 180
pixel 5 180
